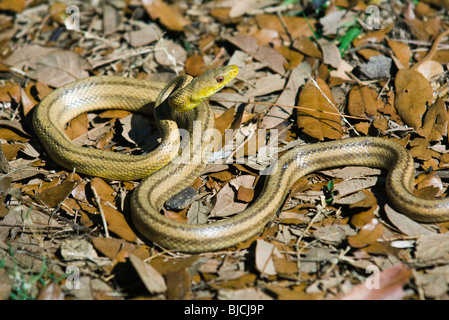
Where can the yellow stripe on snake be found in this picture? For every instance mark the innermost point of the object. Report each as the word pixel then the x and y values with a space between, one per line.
pixel 180 102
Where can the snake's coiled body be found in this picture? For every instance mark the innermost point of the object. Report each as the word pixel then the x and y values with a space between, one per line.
pixel 165 181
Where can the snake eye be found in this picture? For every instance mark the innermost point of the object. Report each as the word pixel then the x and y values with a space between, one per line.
pixel 220 79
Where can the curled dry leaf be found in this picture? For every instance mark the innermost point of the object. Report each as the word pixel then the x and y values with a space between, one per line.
pixel 317 124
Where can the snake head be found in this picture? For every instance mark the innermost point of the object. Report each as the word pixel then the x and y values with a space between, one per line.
pixel 206 85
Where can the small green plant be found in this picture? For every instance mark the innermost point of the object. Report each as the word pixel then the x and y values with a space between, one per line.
pixel 329 191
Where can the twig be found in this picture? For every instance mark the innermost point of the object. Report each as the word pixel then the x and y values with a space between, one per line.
pixel 289 106
pixel 100 208
pixel 298 249
pixel 432 50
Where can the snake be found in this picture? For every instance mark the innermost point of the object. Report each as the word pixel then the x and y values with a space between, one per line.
pixel 181 104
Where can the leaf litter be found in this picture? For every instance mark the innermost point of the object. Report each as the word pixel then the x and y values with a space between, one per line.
pixel 307 73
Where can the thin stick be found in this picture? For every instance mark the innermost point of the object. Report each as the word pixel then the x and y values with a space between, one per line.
pixel 432 50
pixel 289 106
pixel 100 208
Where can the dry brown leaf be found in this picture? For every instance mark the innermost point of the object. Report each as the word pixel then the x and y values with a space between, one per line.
pixel 178 285
pixel 380 123
pixel 5 285
pixel 151 278
pixel 104 190
pixel 334 20
pixel 14 5
pixel 115 249
pixel 28 101
pixel 245 194
pixel 367 235
pixel 432 247
pixel 85 211
pixel 169 52
pixel 11 150
pixel 28 55
pixel 278 114
pixel 42 90
pixel 373 36
pixel 334 233
pixel 148 33
pixel 429 187
pixel 221 175
pixel 331 54
pixel 195 65
pixel 413 95
pixel 55 195
pixel 57 11
pixel 275 61
pixel 406 225
pixel 226 204
pixel 11 135
pixel 10 91
pixel 293 57
pixel 117 223
pixel 362 127
pixel 169 16
pixel 435 122
pixel 243 6
pixel 369 205
pixel 314 123
pixel 264 257
pixel 362 101
pixel 222 15
pixel 401 51
pixel 296 26
pixel 419 149
pixel 59 68
pixel 285 267
pixel 77 126
pixel 307 47
pixel 422 30
pixel 430 69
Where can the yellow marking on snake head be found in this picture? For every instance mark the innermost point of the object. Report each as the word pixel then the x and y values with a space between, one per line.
pixel 206 85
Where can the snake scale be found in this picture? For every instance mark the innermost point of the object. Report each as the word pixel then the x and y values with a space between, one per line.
pixel 181 102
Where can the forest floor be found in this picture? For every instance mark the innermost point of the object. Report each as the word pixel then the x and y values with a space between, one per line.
pixel 309 71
